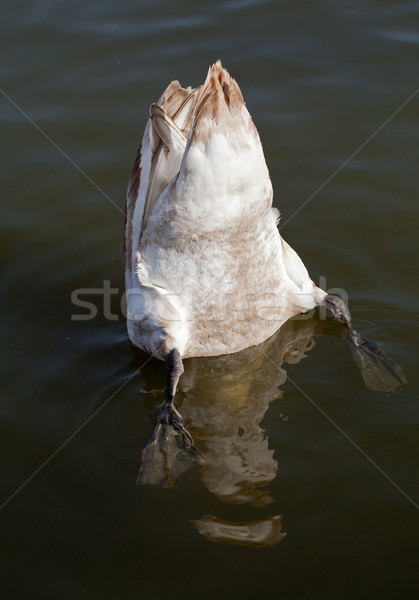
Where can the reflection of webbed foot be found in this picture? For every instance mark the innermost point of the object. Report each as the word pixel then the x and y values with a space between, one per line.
pixel 379 371
pixel 169 449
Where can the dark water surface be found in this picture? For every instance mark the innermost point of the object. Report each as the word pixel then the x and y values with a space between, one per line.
pixel 305 449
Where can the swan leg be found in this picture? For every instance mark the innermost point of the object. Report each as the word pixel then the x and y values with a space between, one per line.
pixel 174 369
pixel 166 413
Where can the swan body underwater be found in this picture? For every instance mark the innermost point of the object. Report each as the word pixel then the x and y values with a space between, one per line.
pixel 207 271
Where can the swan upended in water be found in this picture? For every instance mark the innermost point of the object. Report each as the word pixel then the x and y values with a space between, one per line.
pixel 207 272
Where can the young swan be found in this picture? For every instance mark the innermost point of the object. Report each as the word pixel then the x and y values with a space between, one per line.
pixel 207 272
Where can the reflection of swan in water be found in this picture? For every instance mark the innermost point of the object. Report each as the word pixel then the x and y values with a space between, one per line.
pixel 224 414
pixel 261 533
pixel 227 418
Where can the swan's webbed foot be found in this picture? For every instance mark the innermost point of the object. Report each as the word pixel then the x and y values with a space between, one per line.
pixel 338 309
pixel 166 414
pixel 378 369
pixel 169 449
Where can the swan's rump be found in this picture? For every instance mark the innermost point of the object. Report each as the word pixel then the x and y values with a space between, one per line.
pixel 201 232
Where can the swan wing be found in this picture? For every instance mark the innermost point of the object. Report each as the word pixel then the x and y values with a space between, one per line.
pixel 157 162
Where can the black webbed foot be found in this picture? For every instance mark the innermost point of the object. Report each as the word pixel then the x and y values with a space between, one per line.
pixel 166 414
pixel 378 369
pixel 169 449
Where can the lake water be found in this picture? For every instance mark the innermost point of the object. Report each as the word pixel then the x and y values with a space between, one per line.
pixel 310 482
